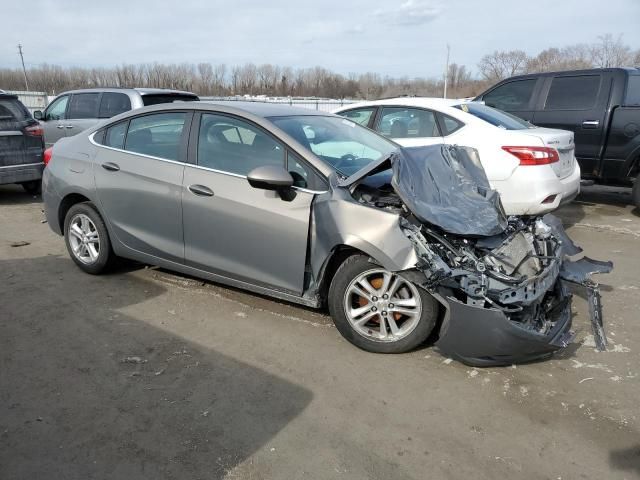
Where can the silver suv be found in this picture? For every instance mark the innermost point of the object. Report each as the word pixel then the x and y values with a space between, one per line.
pixel 72 112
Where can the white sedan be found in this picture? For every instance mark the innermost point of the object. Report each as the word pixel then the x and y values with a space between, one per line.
pixel 534 169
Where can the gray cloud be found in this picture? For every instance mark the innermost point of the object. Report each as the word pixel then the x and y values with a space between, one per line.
pixel 410 12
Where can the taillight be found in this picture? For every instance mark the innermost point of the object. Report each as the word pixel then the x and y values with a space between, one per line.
pixel 534 155
pixel 47 156
pixel 34 131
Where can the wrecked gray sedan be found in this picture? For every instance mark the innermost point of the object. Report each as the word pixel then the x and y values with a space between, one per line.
pixel 402 245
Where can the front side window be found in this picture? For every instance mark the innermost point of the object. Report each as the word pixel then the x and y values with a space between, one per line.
pixel 303 175
pixel 494 116
pixel 573 93
pixel 113 104
pixel 339 142
pixel 158 135
pixel 235 146
pixel 83 105
pixel 400 122
pixel 57 108
pixel 361 116
pixel 512 96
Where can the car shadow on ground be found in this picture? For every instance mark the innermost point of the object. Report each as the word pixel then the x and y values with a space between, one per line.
pixel 15 195
pixel 627 459
pixel 90 392
pixel 576 211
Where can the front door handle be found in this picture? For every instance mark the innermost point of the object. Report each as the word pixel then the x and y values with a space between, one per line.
pixel 591 124
pixel 201 190
pixel 112 167
pixel 60 126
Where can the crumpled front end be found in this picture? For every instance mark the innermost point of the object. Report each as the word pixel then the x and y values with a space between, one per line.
pixel 501 280
pixel 505 296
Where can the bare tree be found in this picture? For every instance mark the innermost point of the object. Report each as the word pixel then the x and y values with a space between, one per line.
pixel 500 65
pixel 609 53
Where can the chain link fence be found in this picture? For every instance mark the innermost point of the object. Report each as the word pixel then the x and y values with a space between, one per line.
pixel 320 104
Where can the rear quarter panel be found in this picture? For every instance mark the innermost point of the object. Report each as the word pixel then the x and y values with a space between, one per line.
pixel 70 171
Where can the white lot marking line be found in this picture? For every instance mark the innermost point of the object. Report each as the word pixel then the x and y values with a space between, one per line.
pixel 611 228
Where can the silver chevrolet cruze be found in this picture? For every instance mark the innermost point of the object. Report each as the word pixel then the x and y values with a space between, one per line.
pixel 312 208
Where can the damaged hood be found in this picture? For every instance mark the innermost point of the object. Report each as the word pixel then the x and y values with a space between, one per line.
pixel 442 185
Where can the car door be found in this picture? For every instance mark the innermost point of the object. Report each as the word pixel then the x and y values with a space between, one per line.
pixel 231 228
pixel 53 120
pixel 408 126
pixel 577 103
pixel 514 96
pixel 139 167
pixel 82 112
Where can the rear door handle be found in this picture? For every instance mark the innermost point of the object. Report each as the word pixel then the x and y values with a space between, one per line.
pixel 112 167
pixel 201 190
pixel 591 124
pixel 68 126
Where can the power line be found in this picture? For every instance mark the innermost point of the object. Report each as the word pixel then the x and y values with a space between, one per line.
pixel 24 70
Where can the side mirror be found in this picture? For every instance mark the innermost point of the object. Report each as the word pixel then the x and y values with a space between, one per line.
pixel 270 177
pixel 38 115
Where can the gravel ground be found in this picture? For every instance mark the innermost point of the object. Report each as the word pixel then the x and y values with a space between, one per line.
pixel 146 374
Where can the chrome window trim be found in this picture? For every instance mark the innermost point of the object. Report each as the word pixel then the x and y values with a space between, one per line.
pixel 92 140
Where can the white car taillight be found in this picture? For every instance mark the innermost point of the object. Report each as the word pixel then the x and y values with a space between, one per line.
pixel 534 155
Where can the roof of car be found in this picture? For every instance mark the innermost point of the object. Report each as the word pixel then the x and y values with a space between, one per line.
pixel 425 102
pixel 266 109
pixel 7 95
pixel 141 91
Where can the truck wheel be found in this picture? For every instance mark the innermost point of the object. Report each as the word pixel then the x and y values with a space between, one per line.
pixel 635 193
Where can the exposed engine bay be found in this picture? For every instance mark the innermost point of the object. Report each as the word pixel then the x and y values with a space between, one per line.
pixel 501 279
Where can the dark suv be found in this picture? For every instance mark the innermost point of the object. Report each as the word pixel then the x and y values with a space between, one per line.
pixel 601 107
pixel 21 145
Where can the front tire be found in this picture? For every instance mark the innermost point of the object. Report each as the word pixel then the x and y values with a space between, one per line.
pixel 378 310
pixel 87 239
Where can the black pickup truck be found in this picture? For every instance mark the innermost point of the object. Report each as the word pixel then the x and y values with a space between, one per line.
pixel 602 108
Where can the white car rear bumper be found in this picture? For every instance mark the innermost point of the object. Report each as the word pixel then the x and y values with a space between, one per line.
pixel 529 186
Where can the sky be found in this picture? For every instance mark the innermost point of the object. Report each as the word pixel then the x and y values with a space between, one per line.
pixel 401 38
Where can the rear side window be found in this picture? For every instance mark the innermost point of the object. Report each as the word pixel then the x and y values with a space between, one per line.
pixel 235 146
pixel 12 112
pixel 155 99
pixel 359 115
pixel 512 96
pixel 113 104
pixel 632 96
pixel 114 136
pixel 158 135
pixel 400 122
pixel 449 124
pixel 83 105
pixel 573 93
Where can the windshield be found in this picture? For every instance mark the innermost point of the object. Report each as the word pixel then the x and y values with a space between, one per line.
pixel 343 144
pixel 495 117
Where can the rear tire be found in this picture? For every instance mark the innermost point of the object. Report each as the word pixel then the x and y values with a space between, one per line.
pixel 87 239
pixel 377 310
pixel 33 187
pixel 635 193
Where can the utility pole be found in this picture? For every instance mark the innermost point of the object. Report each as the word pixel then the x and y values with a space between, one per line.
pixel 446 72
pixel 24 70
